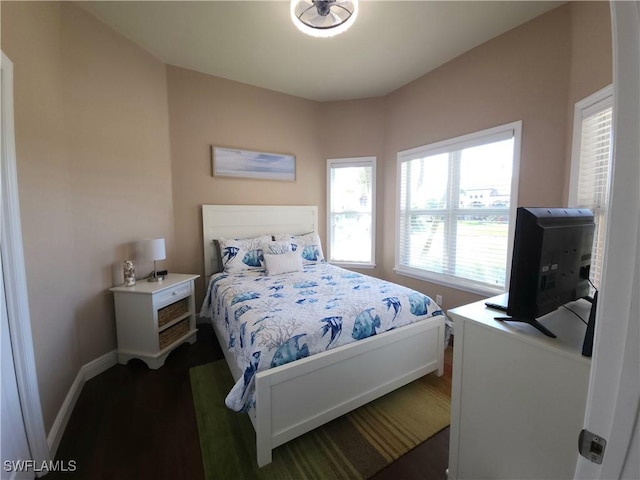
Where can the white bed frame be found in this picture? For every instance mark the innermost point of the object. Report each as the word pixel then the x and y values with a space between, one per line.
pixel 297 397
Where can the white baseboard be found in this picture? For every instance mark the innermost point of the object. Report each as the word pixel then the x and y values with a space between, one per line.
pixel 86 372
pixel 99 365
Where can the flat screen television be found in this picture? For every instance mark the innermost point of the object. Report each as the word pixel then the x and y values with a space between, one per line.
pixel 550 263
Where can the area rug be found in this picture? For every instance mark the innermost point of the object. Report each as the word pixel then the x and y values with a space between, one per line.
pixel 354 446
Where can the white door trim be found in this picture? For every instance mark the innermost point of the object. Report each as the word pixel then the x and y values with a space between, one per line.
pixel 16 280
pixel 614 388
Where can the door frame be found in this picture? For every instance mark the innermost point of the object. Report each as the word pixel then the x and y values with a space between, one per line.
pixel 16 280
pixel 614 387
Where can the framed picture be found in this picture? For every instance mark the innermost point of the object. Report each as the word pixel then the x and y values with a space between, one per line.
pixel 234 162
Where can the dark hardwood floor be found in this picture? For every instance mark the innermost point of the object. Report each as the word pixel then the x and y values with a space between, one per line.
pixel 134 423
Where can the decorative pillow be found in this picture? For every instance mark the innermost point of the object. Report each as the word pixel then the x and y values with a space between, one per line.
pixel 283 263
pixel 276 248
pixel 308 245
pixel 241 254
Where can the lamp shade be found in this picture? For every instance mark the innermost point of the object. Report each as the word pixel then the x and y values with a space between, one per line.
pixel 152 249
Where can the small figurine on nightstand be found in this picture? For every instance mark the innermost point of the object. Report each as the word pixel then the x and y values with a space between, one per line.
pixel 129 273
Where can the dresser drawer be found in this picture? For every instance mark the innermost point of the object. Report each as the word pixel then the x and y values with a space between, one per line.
pixel 171 295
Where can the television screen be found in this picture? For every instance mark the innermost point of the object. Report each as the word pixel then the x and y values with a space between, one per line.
pixel 550 263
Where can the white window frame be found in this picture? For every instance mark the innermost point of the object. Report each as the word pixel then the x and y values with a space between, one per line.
pixel 352 162
pixel 595 102
pixel 464 141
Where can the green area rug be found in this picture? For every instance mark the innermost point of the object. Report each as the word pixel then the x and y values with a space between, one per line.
pixel 356 445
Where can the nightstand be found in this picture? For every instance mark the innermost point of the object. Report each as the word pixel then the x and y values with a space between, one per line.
pixel 154 318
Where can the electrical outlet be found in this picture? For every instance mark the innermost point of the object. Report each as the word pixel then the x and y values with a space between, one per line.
pixel 439 299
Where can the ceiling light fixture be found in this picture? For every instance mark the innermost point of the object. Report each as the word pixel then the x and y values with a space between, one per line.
pixel 323 18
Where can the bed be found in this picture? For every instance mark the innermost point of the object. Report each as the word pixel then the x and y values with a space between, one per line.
pixel 292 398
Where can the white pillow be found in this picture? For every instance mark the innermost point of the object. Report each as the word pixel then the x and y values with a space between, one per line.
pixel 283 263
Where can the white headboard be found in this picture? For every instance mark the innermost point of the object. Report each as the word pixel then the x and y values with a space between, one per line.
pixel 245 221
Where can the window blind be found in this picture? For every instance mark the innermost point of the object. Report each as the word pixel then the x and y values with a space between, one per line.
pixel 454 210
pixel 591 177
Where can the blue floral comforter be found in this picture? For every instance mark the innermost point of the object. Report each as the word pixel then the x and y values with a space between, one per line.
pixel 272 320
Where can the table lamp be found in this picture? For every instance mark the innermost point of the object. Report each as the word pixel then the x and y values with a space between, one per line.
pixel 153 249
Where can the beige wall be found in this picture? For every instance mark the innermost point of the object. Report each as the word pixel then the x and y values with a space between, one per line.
pixel 205 111
pixel 355 128
pixel 525 74
pixel 591 61
pixel 94 174
pixel 520 75
pixel 591 49
pixel 114 146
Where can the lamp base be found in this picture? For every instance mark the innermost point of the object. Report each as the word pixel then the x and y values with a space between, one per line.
pixel 154 277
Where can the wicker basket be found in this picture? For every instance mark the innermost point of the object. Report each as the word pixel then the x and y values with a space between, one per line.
pixel 174 333
pixel 173 311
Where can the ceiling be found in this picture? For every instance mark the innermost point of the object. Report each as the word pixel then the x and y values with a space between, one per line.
pixel 391 44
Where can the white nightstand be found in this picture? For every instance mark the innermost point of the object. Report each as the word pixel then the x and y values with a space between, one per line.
pixel 154 318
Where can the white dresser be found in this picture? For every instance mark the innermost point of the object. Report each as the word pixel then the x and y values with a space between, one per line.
pixel 153 318
pixel 518 396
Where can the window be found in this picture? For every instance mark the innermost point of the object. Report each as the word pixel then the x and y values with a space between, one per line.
pixel 591 165
pixel 351 193
pixel 456 200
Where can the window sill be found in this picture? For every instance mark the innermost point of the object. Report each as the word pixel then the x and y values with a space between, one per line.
pixel 458 284
pixel 364 266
